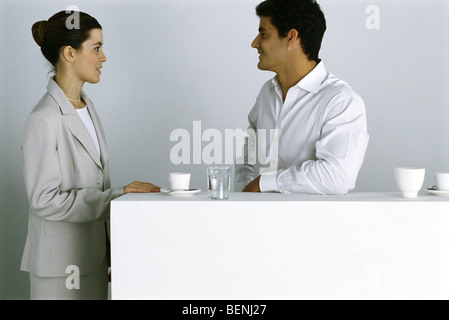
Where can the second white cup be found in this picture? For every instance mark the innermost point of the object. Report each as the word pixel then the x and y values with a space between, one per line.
pixel 442 181
pixel 409 180
pixel 179 181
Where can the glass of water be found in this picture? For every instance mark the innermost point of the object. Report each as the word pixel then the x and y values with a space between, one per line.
pixel 219 182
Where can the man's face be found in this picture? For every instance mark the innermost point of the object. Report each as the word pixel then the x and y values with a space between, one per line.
pixel 271 47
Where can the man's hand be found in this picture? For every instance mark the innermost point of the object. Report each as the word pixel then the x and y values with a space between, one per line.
pixel 253 186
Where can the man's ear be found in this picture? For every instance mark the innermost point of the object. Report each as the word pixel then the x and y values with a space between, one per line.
pixel 68 53
pixel 293 38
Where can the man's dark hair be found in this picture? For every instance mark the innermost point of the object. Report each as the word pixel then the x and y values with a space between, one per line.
pixel 303 15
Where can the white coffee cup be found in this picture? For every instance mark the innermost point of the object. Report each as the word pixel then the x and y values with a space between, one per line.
pixel 409 180
pixel 179 180
pixel 442 181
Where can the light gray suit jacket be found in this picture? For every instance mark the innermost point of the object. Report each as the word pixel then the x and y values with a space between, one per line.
pixel 68 188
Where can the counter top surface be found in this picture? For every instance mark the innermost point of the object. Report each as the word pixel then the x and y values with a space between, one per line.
pixel 266 246
pixel 241 196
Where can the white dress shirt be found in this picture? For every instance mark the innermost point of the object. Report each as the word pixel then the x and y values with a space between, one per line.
pixel 87 120
pixel 320 139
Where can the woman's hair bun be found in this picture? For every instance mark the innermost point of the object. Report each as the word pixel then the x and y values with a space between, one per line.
pixel 38 31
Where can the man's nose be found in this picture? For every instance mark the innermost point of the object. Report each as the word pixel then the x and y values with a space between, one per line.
pixel 255 43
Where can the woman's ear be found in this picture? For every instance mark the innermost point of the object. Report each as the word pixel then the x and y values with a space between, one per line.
pixel 68 53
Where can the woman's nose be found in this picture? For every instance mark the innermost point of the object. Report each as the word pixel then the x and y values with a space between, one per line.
pixel 103 56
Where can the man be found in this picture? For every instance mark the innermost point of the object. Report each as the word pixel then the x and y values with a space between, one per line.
pixel 320 122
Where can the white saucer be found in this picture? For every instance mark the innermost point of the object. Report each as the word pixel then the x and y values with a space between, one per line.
pixel 180 193
pixel 442 193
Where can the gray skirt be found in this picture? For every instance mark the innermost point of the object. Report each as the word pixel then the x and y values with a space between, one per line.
pixel 93 286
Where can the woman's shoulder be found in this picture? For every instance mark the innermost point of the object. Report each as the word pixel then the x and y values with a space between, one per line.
pixel 45 115
pixel 46 106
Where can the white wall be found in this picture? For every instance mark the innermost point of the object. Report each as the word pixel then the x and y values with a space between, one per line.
pixel 172 62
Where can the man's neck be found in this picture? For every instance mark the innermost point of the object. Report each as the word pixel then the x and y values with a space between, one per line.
pixel 293 74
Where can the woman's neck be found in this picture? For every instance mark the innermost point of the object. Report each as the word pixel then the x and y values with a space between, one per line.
pixel 71 88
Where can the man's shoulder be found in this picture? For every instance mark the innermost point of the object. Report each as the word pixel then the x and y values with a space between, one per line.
pixel 268 85
pixel 335 87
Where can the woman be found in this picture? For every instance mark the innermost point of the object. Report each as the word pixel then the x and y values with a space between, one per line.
pixel 66 169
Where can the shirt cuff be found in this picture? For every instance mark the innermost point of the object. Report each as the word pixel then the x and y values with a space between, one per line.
pixel 267 182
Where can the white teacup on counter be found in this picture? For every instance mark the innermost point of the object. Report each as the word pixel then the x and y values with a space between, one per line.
pixel 179 181
pixel 409 180
pixel 180 185
pixel 442 181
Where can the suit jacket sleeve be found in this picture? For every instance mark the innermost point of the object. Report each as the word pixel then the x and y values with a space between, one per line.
pixel 43 179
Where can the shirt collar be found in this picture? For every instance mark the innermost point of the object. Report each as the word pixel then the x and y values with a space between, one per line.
pixel 59 96
pixel 312 81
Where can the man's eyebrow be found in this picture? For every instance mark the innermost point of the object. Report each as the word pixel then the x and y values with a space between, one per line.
pixel 99 42
pixel 262 29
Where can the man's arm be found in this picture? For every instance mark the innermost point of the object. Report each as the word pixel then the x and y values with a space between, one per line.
pixel 339 155
pixel 245 164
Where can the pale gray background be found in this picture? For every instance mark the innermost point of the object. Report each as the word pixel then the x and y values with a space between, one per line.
pixel 171 62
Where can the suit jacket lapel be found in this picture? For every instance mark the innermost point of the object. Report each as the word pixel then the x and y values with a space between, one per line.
pixel 99 129
pixel 74 122
pixel 78 129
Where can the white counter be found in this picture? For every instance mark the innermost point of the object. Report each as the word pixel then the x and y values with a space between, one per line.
pixel 274 246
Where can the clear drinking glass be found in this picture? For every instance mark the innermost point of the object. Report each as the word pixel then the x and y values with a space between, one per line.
pixel 219 182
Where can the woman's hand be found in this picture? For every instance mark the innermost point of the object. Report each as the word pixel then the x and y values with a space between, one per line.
pixel 141 187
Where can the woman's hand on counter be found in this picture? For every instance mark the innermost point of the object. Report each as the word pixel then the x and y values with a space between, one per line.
pixel 141 187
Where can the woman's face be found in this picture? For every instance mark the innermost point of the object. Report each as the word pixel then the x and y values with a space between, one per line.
pixel 90 58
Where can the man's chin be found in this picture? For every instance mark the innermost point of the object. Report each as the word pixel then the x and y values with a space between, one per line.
pixel 261 66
